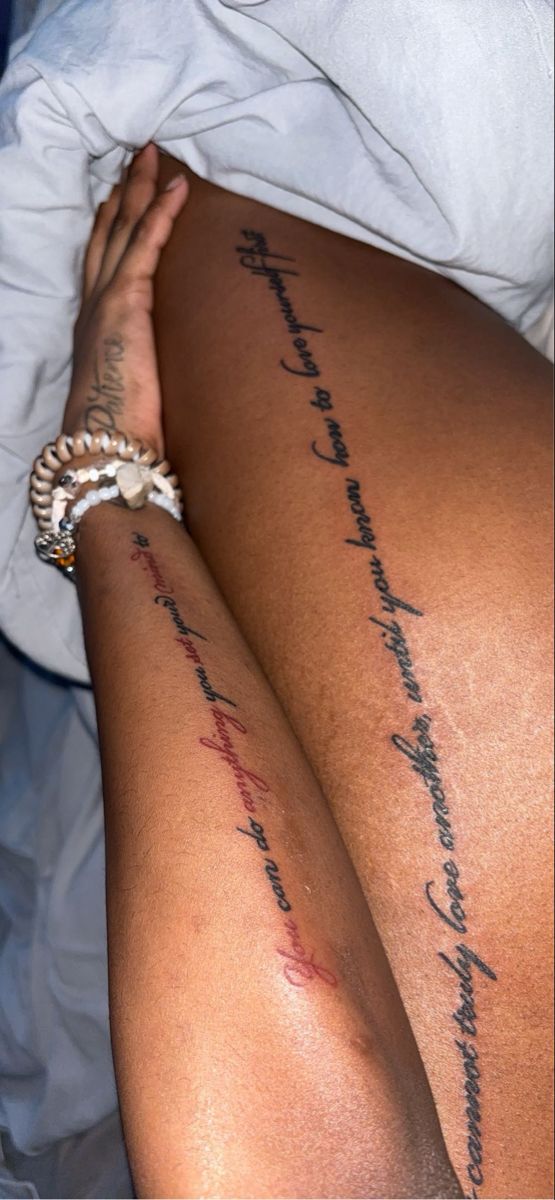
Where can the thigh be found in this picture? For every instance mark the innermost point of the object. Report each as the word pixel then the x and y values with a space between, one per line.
pixel 365 454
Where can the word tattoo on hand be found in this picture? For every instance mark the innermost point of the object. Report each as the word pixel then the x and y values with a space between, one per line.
pixel 106 400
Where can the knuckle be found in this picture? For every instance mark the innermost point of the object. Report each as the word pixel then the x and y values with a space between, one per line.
pixel 142 232
pixel 128 290
pixel 115 300
pixel 146 226
pixel 153 212
pixel 156 212
pixel 138 193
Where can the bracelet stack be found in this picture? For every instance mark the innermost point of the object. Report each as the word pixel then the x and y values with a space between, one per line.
pixel 125 471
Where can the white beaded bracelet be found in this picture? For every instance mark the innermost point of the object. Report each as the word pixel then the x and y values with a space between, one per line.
pixel 169 506
pixel 69 446
pixel 139 477
pixel 92 498
pixel 112 492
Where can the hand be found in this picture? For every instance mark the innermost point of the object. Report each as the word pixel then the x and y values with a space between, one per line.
pixel 115 382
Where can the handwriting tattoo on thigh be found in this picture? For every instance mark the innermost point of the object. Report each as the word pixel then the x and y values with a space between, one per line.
pixel 331 447
pixel 299 964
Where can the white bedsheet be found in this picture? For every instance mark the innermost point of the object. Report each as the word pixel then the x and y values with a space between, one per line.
pixel 419 126
pixel 416 125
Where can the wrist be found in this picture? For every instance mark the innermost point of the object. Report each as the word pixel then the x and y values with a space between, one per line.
pixel 82 450
pixel 110 534
pixel 81 472
pixel 113 516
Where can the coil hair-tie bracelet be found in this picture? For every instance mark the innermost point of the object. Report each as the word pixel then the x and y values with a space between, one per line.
pixel 125 470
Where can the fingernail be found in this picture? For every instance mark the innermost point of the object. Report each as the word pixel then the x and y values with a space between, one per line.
pixel 175 182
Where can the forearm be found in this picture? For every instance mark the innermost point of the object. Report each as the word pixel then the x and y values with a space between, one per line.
pixel 230 904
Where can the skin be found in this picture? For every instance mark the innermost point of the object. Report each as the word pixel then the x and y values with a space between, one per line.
pixel 260 1044
pixel 441 426
pixel 259 1050
pixel 445 415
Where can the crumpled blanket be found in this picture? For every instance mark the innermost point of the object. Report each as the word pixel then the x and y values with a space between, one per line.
pixel 421 127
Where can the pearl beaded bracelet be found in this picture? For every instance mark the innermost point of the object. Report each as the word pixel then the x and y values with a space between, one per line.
pixel 133 475
pixel 97 495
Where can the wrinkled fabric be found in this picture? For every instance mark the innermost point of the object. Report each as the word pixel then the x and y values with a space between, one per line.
pixel 419 126
pixel 56 1075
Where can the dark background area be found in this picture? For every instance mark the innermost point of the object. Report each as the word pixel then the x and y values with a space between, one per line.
pixel 5 18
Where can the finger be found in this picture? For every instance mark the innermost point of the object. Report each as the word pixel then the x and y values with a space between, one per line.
pixel 137 193
pixel 139 263
pixel 98 239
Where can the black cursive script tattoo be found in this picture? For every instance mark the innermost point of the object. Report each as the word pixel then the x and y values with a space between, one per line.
pixel 331 447
pixel 106 401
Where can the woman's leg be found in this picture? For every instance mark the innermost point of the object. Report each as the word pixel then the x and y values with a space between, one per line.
pixel 249 1061
pixel 364 449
